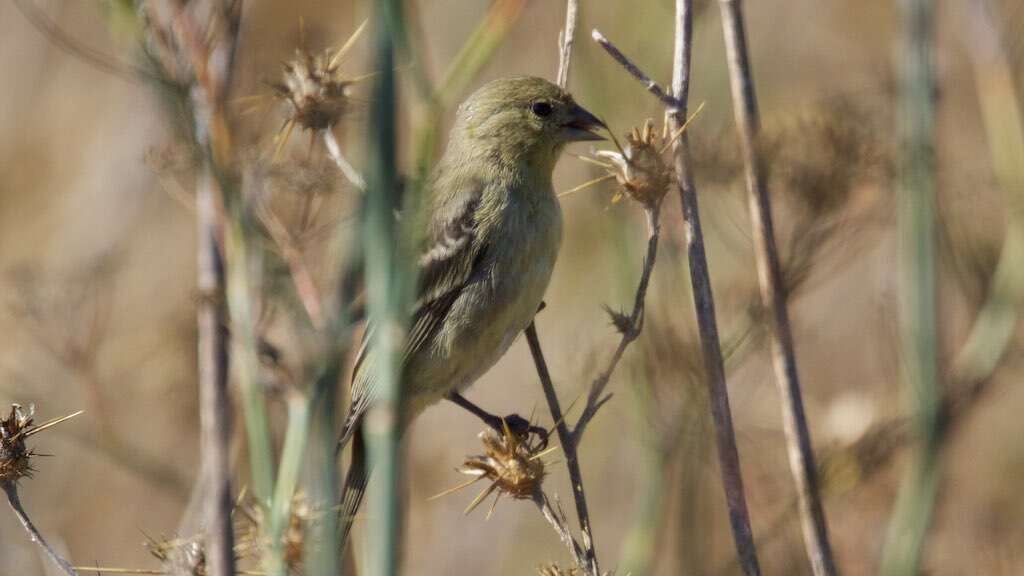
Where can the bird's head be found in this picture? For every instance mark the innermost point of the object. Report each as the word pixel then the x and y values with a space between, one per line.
pixel 522 119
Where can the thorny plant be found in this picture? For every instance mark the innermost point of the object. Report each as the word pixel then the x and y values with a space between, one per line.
pixel 318 95
pixel 512 462
pixel 641 169
pixel 188 555
pixel 16 464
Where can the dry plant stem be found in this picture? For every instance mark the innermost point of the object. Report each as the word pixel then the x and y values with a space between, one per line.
pixel 585 556
pixel 588 559
pixel 704 304
pixel 214 400
pixel 634 70
pixel 301 276
pixel 347 170
pixel 596 397
pixel 213 66
pixel 11 490
pixel 773 294
pixel 566 40
pixel 557 522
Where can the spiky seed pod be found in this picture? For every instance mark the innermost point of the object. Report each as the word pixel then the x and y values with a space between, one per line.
pixel 318 94
pixel 508 463
pixel 14 455
pixel 512 464
pixel 252 528
pixel 180 556
pixel 640 168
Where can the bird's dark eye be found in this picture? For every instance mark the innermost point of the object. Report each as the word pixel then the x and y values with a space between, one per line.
pixel 542 109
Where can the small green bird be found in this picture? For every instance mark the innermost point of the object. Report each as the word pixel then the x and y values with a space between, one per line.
pixel 495 227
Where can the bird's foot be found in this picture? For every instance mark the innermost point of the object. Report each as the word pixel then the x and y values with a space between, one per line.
pixel 516 424
pixel 519 426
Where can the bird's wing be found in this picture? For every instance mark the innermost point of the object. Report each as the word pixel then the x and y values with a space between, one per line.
pixel 454 255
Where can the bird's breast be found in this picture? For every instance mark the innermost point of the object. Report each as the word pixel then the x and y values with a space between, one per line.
pixel 495 308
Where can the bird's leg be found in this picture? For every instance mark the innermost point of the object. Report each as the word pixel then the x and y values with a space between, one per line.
pixel 516 423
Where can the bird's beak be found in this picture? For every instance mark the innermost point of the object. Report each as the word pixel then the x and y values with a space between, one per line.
pixel 582 125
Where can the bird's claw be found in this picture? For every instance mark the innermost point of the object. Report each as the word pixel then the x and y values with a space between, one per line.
pixel 520 427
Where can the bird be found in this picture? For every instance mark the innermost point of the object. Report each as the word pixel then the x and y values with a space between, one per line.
pixel 492 233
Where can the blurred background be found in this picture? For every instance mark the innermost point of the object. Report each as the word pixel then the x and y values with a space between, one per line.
pixel 97 268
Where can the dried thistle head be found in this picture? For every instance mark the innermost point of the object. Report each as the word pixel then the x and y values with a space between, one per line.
pixel 511 462
pixel 179 556
pixel 317 92
pixel 642 168
pixel 252 539
pixel 14 455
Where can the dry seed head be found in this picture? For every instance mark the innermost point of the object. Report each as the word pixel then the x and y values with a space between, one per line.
pixel 14 455
pixel 642 168
pixel 315 88
pixel 180 556
pixel 253 532
pixel 316 91
pixel 510 461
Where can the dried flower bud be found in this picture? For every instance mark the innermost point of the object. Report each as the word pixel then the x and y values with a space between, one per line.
pixel 180 556
pixel 14 455
pixel 315 88
pixel 510 461
pixel 642 168
pixel 316 91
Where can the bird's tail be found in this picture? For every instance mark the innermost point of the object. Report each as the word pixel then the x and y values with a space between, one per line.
pixel 355 481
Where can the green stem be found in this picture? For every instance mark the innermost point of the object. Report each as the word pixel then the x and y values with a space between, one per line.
pixel 388 286
pixel 292 458
pixel 245 362
pixel 909 525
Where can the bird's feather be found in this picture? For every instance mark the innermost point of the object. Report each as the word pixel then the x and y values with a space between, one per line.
pixel 454 254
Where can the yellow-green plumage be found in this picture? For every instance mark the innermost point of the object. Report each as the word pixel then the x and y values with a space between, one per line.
pixel 494 231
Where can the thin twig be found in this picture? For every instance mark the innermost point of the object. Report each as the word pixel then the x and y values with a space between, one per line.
pixel 213 66
pixel 773 294
pixel 732 480
pixel 301 276
pixel 704 304
pixel 61 39
pixel 214 398
pixel 347 170
pixel 568 442
pixel 565 42
pixel 596 396
pixel 585 557
pixel 634 70
pixel 11 490
pixel 557 522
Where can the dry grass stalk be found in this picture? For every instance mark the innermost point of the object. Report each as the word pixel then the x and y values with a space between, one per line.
pixel 773 292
